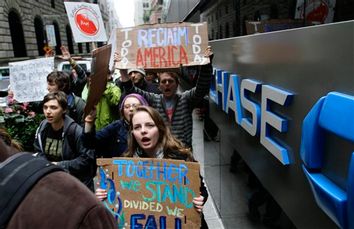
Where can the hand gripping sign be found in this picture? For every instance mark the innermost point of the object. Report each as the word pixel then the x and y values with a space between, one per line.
pixel 86 22
pixel 161 46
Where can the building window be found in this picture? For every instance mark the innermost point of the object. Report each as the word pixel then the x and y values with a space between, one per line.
pixel 226 9
pixel 234 29
pixel 69 37
pixel 79 45
pixel 145 5
pixel 88 47
pixel 220 32
pixel 39 31
pixel 17 35
pixel 57 37
pixel 52 3
pixel 274 13
pixel 227 30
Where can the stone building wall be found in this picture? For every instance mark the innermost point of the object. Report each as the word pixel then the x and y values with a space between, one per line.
pixel 27 11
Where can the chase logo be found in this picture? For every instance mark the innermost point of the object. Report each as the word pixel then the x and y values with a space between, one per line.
pixel 333 113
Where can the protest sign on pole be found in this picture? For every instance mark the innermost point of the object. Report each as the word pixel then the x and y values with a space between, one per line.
pixel 151 193
pixel 28 79
pixel 162 46
pixel 86 22
pixel 315 11
pixel 99 73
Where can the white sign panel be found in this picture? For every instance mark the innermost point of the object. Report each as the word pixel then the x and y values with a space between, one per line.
pixel 52 42
pixel 317 11
pixel 112 41
pixel 28 79
pixel 86 22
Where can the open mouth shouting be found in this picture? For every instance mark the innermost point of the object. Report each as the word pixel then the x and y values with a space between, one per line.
pixel 145 141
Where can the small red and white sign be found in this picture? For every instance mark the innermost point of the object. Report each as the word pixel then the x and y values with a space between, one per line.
pixel 317 11
pixel 86 22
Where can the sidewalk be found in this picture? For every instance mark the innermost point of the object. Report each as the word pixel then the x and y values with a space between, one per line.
pixel 228 192
pixel 210 212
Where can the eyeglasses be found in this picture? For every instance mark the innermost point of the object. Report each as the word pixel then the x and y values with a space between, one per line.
pixel 133 105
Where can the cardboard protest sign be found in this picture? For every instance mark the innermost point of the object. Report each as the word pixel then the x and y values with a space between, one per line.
pixel 162 46
pixel 99 73
pixel 28 79
pixel 85 21
pixel 151 193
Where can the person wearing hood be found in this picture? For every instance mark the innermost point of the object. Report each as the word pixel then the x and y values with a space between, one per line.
pixel 111 141
pixel 58 140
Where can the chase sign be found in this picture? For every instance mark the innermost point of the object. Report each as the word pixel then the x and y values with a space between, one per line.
pixel 333 113
pixel 232 94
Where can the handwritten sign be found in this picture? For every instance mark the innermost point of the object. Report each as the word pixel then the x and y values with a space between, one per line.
pixel 85 21
pixel 151 193
pixel 28 79
pixel 162 45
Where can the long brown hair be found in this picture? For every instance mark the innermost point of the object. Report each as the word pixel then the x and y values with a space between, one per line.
pixel 4 135
pixel 172 147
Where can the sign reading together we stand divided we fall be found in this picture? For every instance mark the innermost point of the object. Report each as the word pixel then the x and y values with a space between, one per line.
pixel 162 46
pixel 150 193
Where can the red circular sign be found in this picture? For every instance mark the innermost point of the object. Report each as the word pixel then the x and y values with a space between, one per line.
pixel 87 21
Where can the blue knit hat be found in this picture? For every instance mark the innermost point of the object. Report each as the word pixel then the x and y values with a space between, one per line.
pixel 141 99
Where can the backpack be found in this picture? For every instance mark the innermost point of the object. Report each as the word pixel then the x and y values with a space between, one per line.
pixel 17 178
pixel 71 132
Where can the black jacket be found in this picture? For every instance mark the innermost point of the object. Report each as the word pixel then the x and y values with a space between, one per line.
pixel 76 159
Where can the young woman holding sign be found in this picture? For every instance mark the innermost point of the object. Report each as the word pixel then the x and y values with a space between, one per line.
pixel 111 141
pixel 151 138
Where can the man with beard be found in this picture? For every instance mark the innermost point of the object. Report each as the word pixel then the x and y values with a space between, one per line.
pixel 175 108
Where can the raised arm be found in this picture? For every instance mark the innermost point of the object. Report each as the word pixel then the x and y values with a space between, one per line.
pixel 124 77
pixel 204 79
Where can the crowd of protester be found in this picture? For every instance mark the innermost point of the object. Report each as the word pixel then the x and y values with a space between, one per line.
pixel 139 115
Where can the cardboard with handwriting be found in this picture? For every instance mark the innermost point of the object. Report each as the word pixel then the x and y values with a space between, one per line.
pixel 28 79
pixel 99 73
pixel 150 193
pixel 162 46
